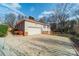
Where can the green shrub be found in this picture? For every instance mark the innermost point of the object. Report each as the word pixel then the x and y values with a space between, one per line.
pixel 3 30
pixel 2 34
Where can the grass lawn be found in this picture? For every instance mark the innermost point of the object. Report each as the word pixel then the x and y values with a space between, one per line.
pixel 3 30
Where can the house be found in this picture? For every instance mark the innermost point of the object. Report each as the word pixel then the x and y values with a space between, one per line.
pixel 32 27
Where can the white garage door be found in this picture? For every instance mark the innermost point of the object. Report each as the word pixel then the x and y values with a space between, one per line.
pixel 34 30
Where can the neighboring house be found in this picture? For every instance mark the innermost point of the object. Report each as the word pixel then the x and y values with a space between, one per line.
pixel 32 27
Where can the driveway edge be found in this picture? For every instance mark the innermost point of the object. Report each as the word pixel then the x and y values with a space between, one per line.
pixel 74 47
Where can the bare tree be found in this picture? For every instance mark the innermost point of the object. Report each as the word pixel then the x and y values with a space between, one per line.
pixel 59 17
pixel 76 13
pixel 42 20
pixel 61 13
pixel 10 19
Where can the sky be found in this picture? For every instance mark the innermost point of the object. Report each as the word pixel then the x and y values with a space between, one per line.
pixel 37 10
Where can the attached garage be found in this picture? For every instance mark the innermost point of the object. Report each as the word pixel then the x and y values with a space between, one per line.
pixel 34 30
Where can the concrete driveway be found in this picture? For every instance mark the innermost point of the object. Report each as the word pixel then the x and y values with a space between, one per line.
pixel 40 45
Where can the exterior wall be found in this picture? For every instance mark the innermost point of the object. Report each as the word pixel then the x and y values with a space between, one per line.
pixel 20 26
pixel 32 28
pixel 46 29
pixel 29 24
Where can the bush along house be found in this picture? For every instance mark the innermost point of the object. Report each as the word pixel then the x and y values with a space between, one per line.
pixel 32 27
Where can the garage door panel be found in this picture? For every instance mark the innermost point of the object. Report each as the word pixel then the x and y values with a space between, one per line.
pixel 34 30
